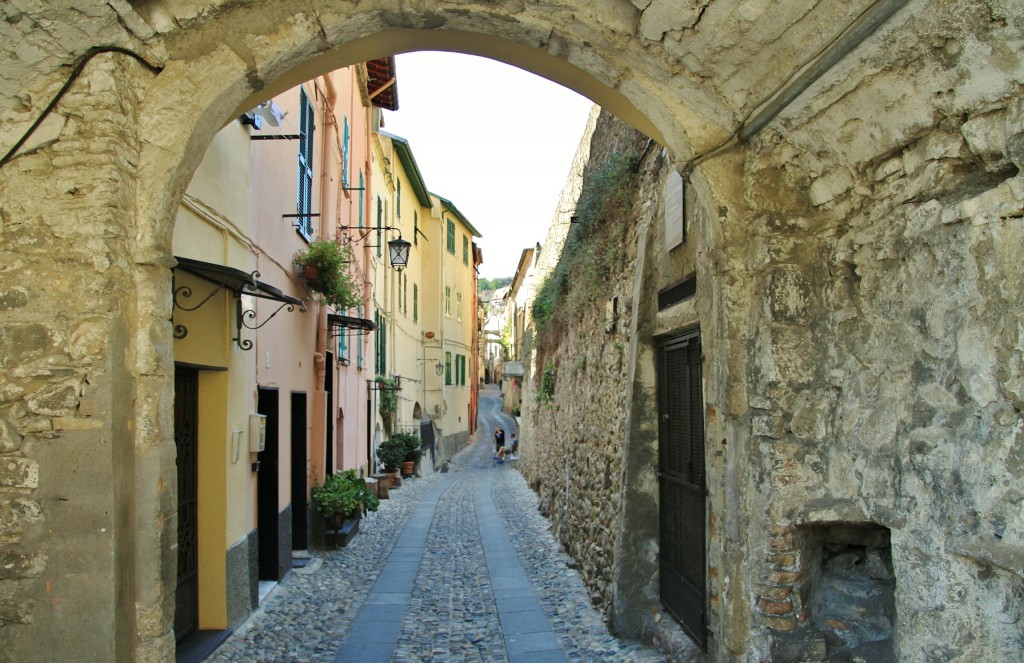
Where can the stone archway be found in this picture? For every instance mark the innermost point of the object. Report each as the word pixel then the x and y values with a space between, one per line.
pixel 859 172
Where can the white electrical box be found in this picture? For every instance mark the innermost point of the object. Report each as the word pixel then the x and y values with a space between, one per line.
pixel 257 432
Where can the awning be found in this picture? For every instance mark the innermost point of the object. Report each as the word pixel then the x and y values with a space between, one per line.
pixel 359 325
pixel 235 280
pixel 238 283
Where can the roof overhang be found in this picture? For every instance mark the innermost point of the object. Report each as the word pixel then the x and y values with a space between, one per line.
pixel 412 169
pixel 450 207
pixel 382 83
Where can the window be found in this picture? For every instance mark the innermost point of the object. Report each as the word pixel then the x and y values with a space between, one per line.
pixel 382 344
pixel 415 303
pixel 362 190
pixel 465 250
pixel 398 199
pixel 380 222
pixel 458 306
pixel 447 368
pixel 460 370
pixel 416 228
pixel 447 301
pixel 359 344
pixel 345 140
pixel 451 237
pixel 304 202
pixel 405 295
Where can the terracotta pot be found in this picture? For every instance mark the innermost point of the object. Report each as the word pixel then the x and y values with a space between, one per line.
pixel 408 467
pixel 312 276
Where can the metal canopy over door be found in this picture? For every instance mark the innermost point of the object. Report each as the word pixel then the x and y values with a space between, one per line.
pixel 186 439
pixel 682 483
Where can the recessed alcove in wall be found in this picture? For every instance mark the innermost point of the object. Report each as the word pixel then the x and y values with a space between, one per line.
pixel 852 590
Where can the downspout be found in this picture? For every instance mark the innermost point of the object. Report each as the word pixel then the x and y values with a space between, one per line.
pixel 318 426
pixel 850 38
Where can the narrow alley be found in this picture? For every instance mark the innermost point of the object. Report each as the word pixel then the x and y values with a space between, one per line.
pixel 456 566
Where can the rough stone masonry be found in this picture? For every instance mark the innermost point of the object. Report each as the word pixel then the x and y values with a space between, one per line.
pixel 858 296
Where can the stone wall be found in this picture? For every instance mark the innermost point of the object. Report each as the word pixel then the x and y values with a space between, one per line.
pixel 572 445
pixel 862 373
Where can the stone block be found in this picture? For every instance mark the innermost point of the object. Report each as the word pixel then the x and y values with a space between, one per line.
pixel 986 137
pixel 16 472
pixel 14 514
pixel 830 186
pixel 15 565
pixel 10 440
pixel 807 644
pixel 53 400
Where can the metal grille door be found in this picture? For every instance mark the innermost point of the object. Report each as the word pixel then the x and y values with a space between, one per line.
pixel 682 483
pixel 186 439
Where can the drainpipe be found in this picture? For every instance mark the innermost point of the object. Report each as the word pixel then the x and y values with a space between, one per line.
pixel 318 426
pixel 841 46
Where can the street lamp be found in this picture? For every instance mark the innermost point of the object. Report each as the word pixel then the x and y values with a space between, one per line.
pixel 399 252
pixel 398 249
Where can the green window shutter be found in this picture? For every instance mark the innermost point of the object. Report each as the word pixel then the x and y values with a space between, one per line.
pixel 398 199
pixel 345 140
pixel 304 201
pixel 465 250
pixel 416 228
pixel 362 190
pixel 380 223
pixel 451 237
pixel 359 344
pixel 415 303
pixel 447 368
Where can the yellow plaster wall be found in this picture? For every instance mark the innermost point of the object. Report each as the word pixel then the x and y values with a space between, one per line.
pixel 213 417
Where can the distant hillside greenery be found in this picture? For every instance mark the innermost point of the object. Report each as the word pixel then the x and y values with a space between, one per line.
pixel 493 284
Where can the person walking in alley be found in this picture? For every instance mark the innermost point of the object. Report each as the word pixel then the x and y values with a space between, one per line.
pixel 499 441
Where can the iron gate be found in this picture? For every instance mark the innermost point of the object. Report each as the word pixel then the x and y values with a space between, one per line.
pixel 682 483
pixel 186 439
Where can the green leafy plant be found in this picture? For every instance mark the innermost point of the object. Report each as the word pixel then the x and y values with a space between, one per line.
pixel 546 391
pixel 412 445
pixel 391 454
pixel 387 399
pixel 344 494
pixel 593 247
pixel 324 265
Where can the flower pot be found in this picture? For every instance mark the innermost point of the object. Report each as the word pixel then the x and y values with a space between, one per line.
pixel 312 275
pixel 408 467
pixel 396 479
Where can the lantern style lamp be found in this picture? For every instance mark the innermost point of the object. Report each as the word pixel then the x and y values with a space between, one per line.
pixel 399 253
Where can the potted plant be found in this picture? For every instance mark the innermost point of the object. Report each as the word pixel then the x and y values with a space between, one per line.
pixel 324 266
pixel 343 496
pixel 412 452
pixel 391 454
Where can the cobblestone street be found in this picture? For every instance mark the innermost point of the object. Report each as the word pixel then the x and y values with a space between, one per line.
pixel 456 566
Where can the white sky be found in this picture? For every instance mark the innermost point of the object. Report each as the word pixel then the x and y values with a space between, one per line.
pixel 495 140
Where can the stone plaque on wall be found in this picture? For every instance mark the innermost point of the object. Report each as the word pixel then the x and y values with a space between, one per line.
pixel 675 211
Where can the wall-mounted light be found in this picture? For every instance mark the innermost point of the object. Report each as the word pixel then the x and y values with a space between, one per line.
pixel 398 249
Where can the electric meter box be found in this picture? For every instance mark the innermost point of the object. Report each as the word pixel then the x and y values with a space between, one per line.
pixel 257 432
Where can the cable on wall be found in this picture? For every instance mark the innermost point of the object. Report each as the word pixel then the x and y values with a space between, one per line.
pixel 75 73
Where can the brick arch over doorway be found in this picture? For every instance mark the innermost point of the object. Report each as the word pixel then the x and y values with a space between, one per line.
pixel 898 165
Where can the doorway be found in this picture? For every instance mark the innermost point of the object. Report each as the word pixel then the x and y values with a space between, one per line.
pixel 267 516
pixel 186 441
pixel 681 483
pixel 300 462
